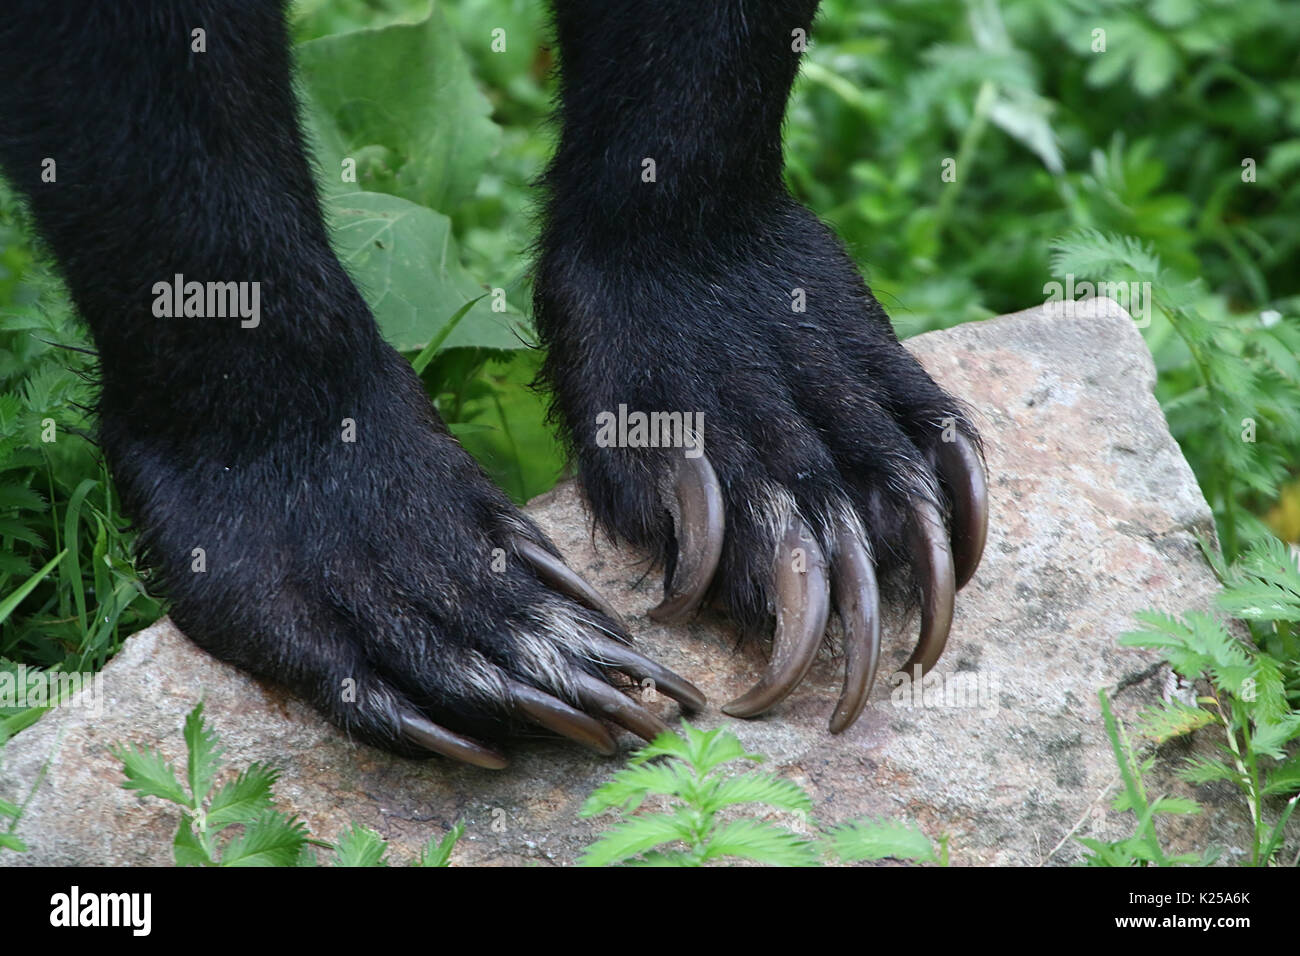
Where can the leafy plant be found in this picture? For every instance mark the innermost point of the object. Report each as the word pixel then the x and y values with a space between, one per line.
pixel 1143 847
pixel 236 823
pixel 690 777
pixel 55 497
pixel 1254 688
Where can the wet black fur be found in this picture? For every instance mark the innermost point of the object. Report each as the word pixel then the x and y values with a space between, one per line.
pixel 371 560
pixel 676 295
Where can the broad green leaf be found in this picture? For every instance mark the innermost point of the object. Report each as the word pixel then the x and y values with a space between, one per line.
pixel 243 799
pixel 360 846
pixel 438 852
pixel 273 839
pixel 882 839
pixel 761 842
pixel 147 772
pixel 1198 770
pixel 204 754
pixel 403 258
pixel 1271 736
pixel 757 787
pixel 1284 778
pixel 1169 719
pixel 514 442
pixel 1155 65
pixel 630 786
pixel 402 102
pixel 187 849
pixel 1175 805
pixel 709 749
pixel 634 836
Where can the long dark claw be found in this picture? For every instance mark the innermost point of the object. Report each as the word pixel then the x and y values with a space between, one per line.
pixel 559 717
pixel 962 471
pixel 933 562
pixel 803 604
pixel 599 697
pixel 700 525
pixel 639 668
pixel 424 732
pixel 564 579
pixel 853 589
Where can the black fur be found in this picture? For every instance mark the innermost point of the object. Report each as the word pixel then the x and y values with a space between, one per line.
pixel 676 295
pixel 371 561
pixel 325 560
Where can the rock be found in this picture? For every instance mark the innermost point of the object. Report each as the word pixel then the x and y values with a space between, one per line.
pixel 1093 514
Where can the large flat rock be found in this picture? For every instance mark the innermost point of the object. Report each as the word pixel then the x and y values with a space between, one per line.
pixel 1093 514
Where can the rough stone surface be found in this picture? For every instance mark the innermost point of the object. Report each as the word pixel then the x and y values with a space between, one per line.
pixel 1093 513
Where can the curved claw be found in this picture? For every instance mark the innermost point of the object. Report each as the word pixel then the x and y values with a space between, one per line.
pixel 425 733
pixel 700 525
pixel 933 562
pixel 557 716
pixel 599 697
pixel 853 589
pixel 803 598
pixel 639 668
pixel 554 572
pixel 962 471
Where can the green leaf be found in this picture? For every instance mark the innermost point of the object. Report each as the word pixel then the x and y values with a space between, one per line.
pixel 882 839
pixel 1270 737
pixel 147 772
pixel 1175 805
pixel 438 852
pixel 634 836
pixel 360 846
pixel 10 842
pixel 1155 64
pixel 187 850
pixel 20 497
pixel 1090 253
pixel 204 754
pixel 1169 719
pixel 404 259
pixel 667 744
pixel 273 839
pixel 15 597
pixel 402 102
pixel 761 842
pixel 709 749
pixel 631 785
pixel 421 361
pixel 1284 778
pixel 758 787
pixel 243 799
pixel 1199 770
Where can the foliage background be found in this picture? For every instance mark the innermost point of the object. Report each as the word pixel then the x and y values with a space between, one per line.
pixel 1126 163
